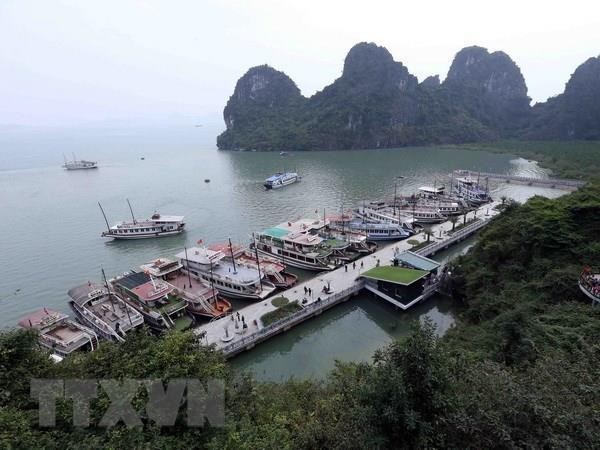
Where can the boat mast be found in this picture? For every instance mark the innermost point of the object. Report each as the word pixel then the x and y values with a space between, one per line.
pixel 187 262
pixel 232 257
pixel 107 225
pixel 257 262
pixel 131 210
pixel 395 194
pixel 112 302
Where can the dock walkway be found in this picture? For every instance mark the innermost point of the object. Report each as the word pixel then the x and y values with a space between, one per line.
pixel 344 282
pixel 558 183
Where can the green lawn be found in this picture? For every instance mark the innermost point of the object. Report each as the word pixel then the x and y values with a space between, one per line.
pixel 399 275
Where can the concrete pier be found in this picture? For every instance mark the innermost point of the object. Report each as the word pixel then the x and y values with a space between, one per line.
pixel 344 283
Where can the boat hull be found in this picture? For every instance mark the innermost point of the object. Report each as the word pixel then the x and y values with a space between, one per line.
pixel 298 264
pixel 142 235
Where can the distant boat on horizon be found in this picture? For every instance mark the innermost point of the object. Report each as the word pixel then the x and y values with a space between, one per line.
pixel 81 164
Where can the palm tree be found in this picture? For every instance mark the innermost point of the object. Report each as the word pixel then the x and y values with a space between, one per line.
pixel 453 220
pixel 427 230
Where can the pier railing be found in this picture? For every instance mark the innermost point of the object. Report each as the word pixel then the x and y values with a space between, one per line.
pixel 292 319
pixel 456 236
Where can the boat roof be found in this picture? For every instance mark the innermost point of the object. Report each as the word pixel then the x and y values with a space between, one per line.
pixel 279 175
pixel 433 190
pixel 416 261
pixel 201 255
pixel 221 268
pixel 41 318
pixel 81 294
pixel 161 266
pixel 223 247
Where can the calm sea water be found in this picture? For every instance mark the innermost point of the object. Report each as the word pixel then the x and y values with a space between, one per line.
pixel 51 224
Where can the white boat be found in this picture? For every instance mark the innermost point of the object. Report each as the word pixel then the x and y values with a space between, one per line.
pixel 302 244
pixel 281 179
pixel 156 226
pixel 232 279
pixel 469 189
pixel 371 230
pixel 79 164
pixel 103 311
pixel 58 333
pixel 379 212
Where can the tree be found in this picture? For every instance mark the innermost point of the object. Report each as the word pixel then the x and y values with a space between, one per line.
pixel 453 220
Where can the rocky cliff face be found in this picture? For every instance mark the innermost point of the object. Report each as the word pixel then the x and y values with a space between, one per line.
pixel 377 102
pixel 574 114
pixel 264 100
pixel 490 87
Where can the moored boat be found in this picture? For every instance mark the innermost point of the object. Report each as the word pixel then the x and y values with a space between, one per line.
pixel 58 333
pixel 469 189
pixel 230 278
pixel 155 299
pixel 101 309
pixel 271 268
pixel 373 231
pixel 304 244
pixel 202 300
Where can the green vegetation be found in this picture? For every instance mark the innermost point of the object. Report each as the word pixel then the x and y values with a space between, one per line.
pixel 399 275
pixel 280 301
pixel 567 159
pixel 280 313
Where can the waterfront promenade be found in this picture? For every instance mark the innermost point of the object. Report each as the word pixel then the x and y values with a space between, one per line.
pixel 344 282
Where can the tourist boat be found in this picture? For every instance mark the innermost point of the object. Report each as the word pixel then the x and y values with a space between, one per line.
pixel 281 179
pixel 301 244
pixel 102 310
pixel 271 268
pixel 202 300
pixel 469 189
pixel 231 278
pixel 380 212
pixel 156 226
pixel 371 230
pixel 79 164
pixel 58 333
pixel 156 300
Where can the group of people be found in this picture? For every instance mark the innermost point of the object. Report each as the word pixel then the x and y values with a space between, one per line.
pixel 591 282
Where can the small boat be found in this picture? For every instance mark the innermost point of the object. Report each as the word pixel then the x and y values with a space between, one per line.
pixel 101 309
pixel 281 179
pixel 79 164
pixel 207 180
pixel 142 158
pixel 58 333
pixel 156 226
pixel 283 153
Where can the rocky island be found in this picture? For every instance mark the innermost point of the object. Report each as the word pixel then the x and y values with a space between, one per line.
pixel 378 103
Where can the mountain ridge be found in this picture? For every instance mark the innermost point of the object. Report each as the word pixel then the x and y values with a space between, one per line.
pixel 378 103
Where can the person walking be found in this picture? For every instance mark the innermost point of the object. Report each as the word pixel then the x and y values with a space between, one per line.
pixel 362 264
pixel 354 265
pixel 346 267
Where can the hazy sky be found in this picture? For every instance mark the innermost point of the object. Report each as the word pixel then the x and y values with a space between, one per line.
pixel 69 62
